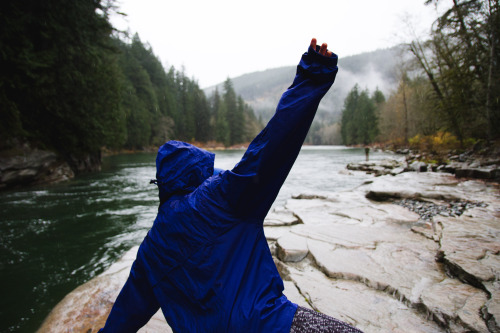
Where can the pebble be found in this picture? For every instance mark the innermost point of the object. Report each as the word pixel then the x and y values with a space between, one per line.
pixel 427 210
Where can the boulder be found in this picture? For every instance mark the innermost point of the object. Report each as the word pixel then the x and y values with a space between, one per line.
pixel 32 167
pixel 418 166
pixel 478 172
pixel 87 307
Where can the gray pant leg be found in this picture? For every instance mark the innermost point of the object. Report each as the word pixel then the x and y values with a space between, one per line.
pixel 310 321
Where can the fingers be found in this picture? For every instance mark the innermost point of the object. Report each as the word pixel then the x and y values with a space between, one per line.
pixel 322 49
pixel 313 43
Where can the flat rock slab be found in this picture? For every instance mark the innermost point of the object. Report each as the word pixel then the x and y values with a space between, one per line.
pixel 455 305
pixel 353 302
pixel 471 247
pixel 493 306
pixel 281 218
pixel 273 233
pixel 378 168
pixel 470 250
pixel 407 270
pixel 87 307
pixel 414 185
pixel 381 246
pixel 292 293
pixel 291 247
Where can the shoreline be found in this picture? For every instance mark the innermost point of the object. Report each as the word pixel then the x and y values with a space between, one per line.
pixel 153 149
pixel 24 167
pixel 31 166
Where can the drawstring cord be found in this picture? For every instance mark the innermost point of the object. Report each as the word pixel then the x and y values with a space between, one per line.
pixel 166 197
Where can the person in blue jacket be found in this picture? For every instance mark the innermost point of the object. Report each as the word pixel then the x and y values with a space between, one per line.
pixel 206 261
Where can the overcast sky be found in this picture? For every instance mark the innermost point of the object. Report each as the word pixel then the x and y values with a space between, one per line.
pixel 217 39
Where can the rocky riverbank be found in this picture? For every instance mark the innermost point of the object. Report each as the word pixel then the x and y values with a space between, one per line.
pixel 28 167
pixel 485 168
pixel 24 166
pixel 481 161
pixel 414 252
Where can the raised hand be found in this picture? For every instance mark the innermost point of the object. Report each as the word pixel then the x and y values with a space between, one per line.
pixel 323 49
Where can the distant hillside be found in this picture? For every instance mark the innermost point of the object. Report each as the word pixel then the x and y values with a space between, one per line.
pixel 262 90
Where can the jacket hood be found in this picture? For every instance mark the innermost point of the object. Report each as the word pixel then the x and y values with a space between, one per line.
pixel 182 167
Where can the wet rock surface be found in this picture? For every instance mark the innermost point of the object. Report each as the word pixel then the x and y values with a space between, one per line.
pixel 422 257
pixel 482 163
pixel 462 166
pixel 25 166
pixel 32 167
pixel 416 252
pixel 86 308
pixel 379 168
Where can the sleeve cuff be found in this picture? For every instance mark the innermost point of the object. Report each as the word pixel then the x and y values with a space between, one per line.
pixel 318 66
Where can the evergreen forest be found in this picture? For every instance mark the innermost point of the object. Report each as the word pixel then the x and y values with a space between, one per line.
pixel 71 83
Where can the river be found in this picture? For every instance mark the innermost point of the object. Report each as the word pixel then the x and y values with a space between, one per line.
pixel 54 238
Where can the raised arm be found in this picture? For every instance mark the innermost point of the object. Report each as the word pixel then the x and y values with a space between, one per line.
pixel 253 184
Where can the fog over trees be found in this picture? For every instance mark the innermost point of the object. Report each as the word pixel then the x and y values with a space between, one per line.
pixel 370 70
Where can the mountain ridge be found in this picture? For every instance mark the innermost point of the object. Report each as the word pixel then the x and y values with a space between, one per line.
pixel 370 70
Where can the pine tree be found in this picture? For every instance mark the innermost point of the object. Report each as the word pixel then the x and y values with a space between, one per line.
pixel 201 115
pixel 232 114
pixel 138 100
pixel 348 128
pixel 222 126
pixel 359 119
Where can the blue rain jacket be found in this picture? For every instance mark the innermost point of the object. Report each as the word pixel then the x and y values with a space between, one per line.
pixel 206 254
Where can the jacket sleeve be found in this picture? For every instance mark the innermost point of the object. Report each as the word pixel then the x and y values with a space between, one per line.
pixel 251 187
